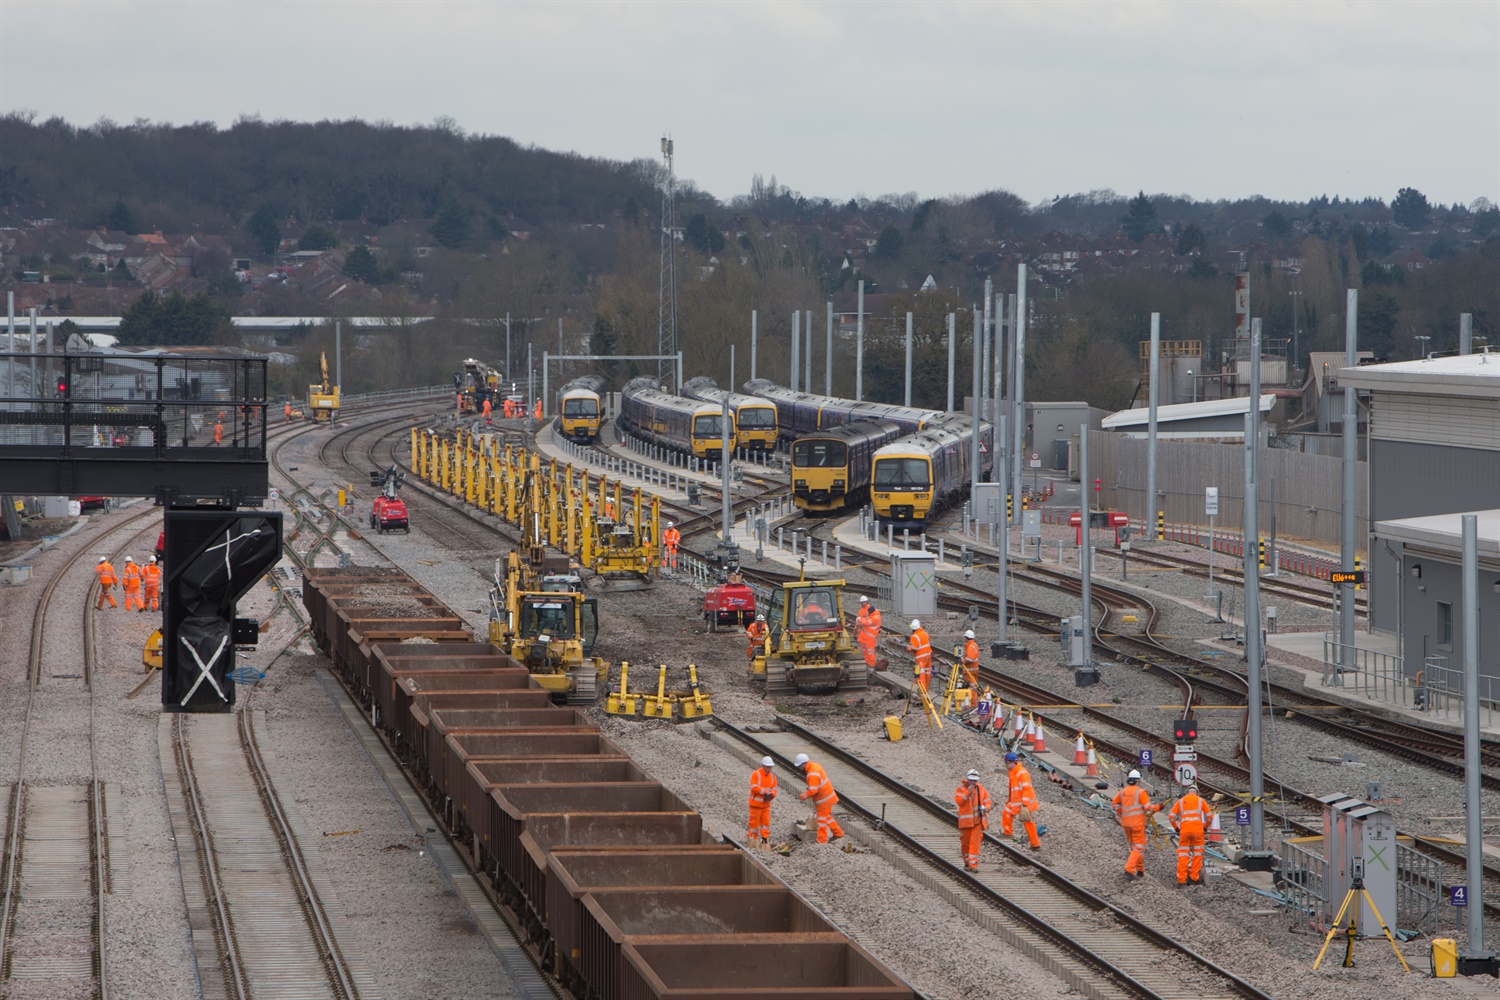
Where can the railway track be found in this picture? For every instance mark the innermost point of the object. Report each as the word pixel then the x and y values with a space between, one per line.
pixel 55 866
pixel 1098 948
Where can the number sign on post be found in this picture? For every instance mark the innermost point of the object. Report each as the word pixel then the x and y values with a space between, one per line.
pixel 1145 758
pixel 1458 895
pixel 1242 816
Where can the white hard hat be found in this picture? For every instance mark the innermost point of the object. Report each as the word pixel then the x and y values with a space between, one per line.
pixel 1133 776
pixel 864 600
pixel 915 624
pixel 968 633
pixel 973 775
pixel 671 524
pixel 801 759
pixel 104 558
pixel 128 559
pixel 153 559
pixel 760 618
pixel 767 762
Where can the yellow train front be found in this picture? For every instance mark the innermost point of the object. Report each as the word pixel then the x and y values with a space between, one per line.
pixel 683 425
pixel 755 421
pixel 831 468
pixel 580 409
pixel 918 476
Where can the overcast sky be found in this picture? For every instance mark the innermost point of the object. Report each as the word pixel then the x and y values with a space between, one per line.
pixel 1207 99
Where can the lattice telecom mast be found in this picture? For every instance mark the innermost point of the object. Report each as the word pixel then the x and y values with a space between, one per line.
pixel 666 317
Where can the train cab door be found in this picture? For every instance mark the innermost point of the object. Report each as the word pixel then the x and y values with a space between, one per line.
pixel 588 625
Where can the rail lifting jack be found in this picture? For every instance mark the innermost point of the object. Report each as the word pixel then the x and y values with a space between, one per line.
pixel 694 704
pixel 622 702
pixel 660 705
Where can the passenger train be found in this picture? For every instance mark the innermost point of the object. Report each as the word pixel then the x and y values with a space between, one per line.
pixel 831 468
pixel 580 408
pixel 754 418
pixel 689 426
pixel 799 413
pixel 922 474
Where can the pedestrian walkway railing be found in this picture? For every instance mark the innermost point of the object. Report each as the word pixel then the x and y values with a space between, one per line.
pixel 1437 689
pixel 1421 899
pixel 389 394
pixel 1304 882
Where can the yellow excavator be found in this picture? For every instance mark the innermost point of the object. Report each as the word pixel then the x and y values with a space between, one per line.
pixel 323 397
pixel 538 615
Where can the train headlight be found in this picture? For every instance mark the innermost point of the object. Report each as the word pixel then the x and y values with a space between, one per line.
pixel 838 484
pixel 801 482
pixel 882 496
pixel 923 496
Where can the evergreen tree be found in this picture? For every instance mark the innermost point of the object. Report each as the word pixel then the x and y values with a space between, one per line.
pixel 1410 209
pixel 1139 220
pixel 451 227
pixel 362 266
pixel 318 238
pixel 263 229
pixel 120 218
pixel 172 320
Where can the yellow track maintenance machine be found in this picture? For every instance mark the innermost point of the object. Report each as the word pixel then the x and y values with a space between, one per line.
pixel 808 649
pixel 623 549
pixel 323 397
pixel 539 615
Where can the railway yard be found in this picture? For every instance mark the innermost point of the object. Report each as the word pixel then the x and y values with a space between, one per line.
pixel 283 851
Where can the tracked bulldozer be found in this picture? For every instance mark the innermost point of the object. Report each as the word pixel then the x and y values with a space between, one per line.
pixel 539 615
pixel 808 649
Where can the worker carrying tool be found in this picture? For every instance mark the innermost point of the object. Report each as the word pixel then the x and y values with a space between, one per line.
pixel 921 651
pixel 762 791
pixel 755 637
pixel 1132 806
pixel 869 630
pixel 130 582
pixel 151 577
pixel 1021 801
pixel 670 539
pixel 820 790
pixel 971 667
pixel 106 574
pixel 1190 816
pixel 973 818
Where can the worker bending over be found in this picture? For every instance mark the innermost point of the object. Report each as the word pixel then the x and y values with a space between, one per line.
pixel 921 651
pixel 820 790
pixel 1190 816
pixel 869 630
pixel 1132 806
pixel 1021 801
pixel 973 818
pixel 762 791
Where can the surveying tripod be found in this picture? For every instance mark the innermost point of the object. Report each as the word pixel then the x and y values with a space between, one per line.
pixel 1352 897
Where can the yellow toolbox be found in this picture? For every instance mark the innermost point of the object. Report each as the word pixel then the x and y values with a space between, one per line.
pixel 893 728
pixel 1444 958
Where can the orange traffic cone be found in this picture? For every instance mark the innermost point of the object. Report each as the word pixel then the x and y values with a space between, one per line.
pixel 1040 746
pixel 1028 735
pixel 1020 724
pixel 1215 834
pixel 1092 771
pixel 1080 752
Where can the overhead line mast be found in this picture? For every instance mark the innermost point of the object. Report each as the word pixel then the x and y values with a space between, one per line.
pixel 666 317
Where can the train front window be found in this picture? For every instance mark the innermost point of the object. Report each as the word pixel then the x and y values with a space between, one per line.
pixel 580 407
pixel 757 418
pixel 707 425
pixel 812 454
pixel 901 474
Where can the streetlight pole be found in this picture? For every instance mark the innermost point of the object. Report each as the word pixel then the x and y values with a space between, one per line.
pixel 1422 345
pixel 1194 383
pixel 1296 329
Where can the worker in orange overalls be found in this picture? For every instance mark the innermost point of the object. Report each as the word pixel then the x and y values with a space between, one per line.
pixel 151 576
pixel 1190 816
pixel 537 410
pixel 131 584
pixel 921 651
pixel 973 818
pixel 106 574
pixel 762 791
pixel 1021 801
pixel 218 432
pixel 869 630
pixel 1132 806
pixel 755 635
pixel 670 539
pixel 487 409
pixel 820 790
pixel 970 665
pixel 288 412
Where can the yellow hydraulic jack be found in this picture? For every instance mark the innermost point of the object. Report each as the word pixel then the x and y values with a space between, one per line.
pixel 622 702
pixel 694 704
pixel 659 705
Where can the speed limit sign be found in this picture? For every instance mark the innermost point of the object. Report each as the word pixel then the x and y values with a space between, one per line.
pixel 1186 774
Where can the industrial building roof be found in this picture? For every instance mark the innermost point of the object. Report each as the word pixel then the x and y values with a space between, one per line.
pixel 1444 532
pixel 1140 416
pixel 1455 375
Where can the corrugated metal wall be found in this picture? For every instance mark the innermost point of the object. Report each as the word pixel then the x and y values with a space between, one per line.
pixel 1184 469
pixel 1455 421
